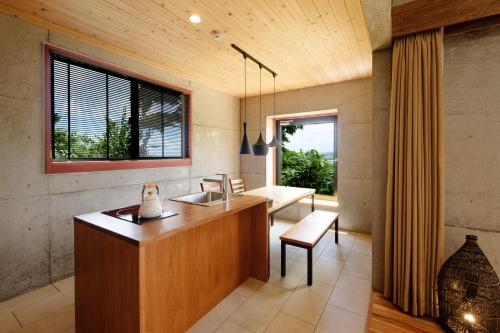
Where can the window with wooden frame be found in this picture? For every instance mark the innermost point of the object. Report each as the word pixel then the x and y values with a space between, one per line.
pixel 101 117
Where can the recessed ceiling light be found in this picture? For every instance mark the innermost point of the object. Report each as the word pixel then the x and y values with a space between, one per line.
pixel 195 18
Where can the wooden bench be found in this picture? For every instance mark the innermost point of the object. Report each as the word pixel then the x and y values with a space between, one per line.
pixel 306 234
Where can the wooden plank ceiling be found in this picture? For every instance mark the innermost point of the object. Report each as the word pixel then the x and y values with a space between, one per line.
pixel 307 42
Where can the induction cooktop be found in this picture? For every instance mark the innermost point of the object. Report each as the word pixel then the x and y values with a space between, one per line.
pixel 131 214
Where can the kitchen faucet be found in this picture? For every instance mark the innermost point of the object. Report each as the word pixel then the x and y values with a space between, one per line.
pixel 224 182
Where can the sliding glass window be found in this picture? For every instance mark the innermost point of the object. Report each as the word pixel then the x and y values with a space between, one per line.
pixel 97 114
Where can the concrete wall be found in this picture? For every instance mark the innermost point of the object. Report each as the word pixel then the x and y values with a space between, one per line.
pixel 377 16
pixel 381 69
pixel 353 100
pixel 472 125
pixel 36 238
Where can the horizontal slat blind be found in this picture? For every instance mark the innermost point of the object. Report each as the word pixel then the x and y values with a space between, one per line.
pixel 60 110
pixel 150 121
pixel 172 125
pixel 160 122
pixel 119 113
pixel 87 113
pixel 92 115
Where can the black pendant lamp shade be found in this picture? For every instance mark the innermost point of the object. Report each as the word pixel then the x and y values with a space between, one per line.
pixel 274 142
pixel 469 292
pixel 260 148
pixel 246 147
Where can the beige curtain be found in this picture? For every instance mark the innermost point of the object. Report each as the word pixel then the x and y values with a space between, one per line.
pixel 415 186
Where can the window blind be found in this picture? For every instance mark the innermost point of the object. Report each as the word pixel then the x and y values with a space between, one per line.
pixel 101 115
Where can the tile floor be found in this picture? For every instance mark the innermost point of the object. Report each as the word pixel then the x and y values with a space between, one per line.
pixel 337 301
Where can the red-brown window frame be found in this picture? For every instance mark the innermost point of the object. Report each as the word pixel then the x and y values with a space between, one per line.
pixel 54 167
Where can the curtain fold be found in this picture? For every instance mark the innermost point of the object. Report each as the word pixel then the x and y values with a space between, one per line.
pixel 414 243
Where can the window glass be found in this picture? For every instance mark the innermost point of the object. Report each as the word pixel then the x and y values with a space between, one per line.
pixel 101 115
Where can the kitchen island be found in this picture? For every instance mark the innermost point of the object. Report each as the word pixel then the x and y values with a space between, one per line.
pixel 163 276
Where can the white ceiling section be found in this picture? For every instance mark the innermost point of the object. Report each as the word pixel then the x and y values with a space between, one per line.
pixel 307 42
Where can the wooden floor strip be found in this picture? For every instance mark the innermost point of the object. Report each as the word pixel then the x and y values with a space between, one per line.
pixel 385 317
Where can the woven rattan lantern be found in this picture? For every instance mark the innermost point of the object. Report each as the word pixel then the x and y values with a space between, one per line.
pixel 469 291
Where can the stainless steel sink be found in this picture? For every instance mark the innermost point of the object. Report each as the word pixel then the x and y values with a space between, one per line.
pixel 202 198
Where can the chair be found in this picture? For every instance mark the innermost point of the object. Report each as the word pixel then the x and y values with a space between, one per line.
pixel 238 185
pixel 210 187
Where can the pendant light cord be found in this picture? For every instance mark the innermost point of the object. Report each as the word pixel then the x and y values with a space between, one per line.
pixel 260 98
pixel 244 57
pixel 274 97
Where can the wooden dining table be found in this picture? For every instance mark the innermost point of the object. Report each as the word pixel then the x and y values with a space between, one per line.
pixel 281 197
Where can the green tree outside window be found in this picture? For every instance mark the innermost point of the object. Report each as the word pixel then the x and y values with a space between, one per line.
pixel 306 169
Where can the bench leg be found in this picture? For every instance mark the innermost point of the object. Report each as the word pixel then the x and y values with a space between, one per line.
pixel 272 220
pixel 309 267
pixel 337 230
pixel 312 203
pixel 283 258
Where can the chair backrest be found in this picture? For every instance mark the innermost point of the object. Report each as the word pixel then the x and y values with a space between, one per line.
pixel 210 187
pixel 238 185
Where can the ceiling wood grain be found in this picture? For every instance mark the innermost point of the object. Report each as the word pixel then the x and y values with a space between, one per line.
pixel 307 42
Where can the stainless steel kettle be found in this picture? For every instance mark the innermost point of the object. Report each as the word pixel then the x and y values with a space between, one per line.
pixel 151 203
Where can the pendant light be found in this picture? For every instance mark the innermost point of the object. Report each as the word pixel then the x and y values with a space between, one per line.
pixel 260 148
pixel 274 142
pixel 246 147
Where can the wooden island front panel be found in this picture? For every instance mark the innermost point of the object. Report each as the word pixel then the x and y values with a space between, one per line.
pixel 167 280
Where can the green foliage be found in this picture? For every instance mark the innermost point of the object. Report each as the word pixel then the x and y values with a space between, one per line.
pixel 289 130
pixel 84 146
pixel 308 169
pixel 119 138
pixel 60 143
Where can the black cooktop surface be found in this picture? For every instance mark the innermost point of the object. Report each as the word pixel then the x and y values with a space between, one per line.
pixel 131 214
